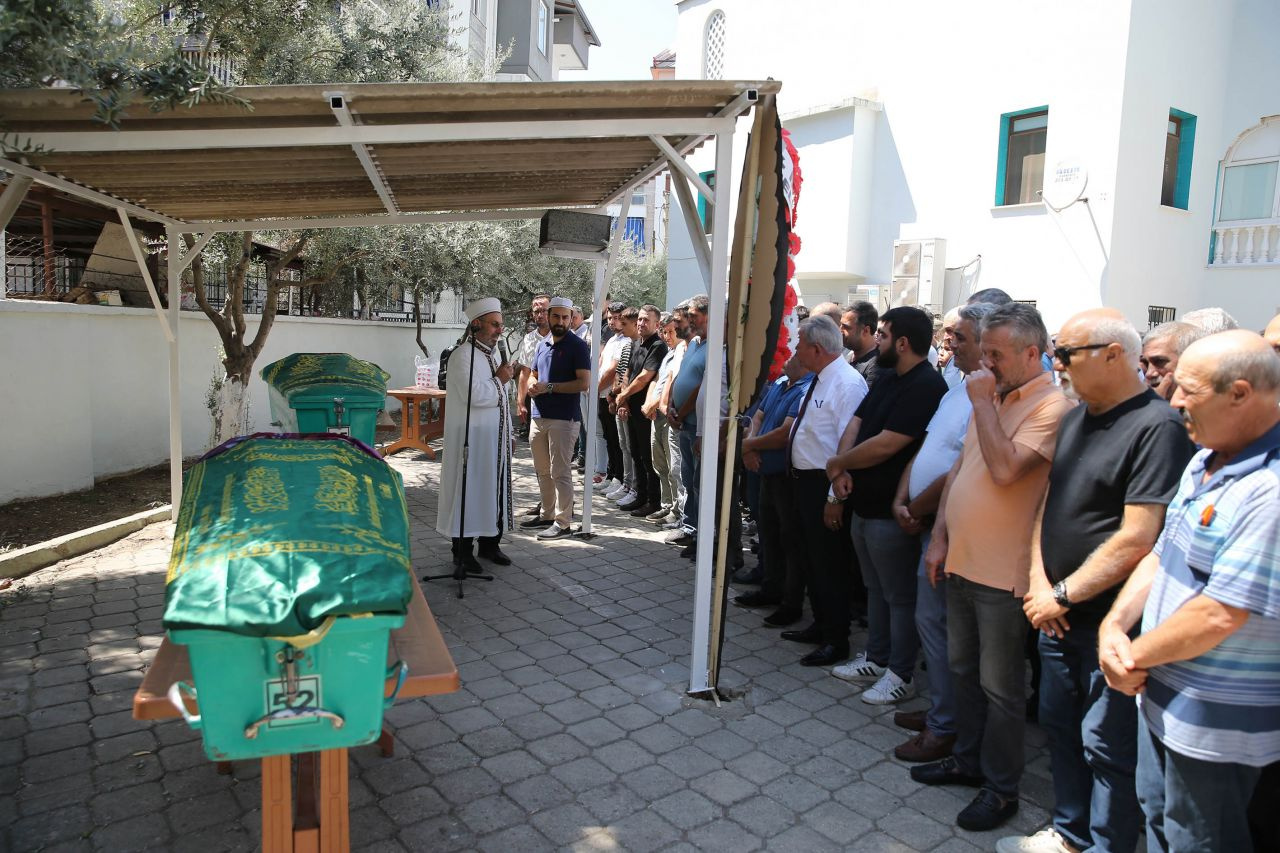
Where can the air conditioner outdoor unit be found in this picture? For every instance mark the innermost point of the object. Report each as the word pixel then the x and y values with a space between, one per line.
pixel 918 270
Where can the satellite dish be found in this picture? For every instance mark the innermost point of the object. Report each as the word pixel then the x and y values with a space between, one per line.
pixel 1066 185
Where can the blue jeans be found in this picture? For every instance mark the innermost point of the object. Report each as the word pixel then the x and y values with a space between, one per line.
pixel 689 473
pixel 986 636
pixel 931 625
pixel 1191 804
pixel 888 557
pixel 1093 741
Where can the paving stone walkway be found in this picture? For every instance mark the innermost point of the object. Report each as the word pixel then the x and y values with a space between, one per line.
pixel 571 731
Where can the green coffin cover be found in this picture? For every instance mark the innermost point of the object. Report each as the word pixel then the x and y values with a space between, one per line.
pixel 277 533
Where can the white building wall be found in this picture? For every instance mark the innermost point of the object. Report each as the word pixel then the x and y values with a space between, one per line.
pixel 1252 63
pixel 1159 254
pixel 89 385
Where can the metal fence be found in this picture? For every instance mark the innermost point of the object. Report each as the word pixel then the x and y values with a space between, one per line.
pixel 25 264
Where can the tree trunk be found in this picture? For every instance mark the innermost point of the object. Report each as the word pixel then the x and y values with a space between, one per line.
pixel 230 410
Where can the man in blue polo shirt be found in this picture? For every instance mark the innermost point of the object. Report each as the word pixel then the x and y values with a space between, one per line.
pixel 561 370
pixel 1207 662
pixel 682 414
pixel 764 452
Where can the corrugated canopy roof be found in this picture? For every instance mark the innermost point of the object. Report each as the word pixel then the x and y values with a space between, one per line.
pixel 433 147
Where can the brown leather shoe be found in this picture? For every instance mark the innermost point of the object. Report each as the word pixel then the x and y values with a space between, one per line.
pixel 913 720
pixel 925 746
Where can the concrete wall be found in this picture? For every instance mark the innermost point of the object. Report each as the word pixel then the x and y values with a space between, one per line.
pixel 87 386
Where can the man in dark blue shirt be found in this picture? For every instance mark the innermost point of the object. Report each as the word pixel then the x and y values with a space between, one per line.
pixel 561 371
pixel 764 452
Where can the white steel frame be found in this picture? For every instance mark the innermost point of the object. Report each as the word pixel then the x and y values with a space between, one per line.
pixel 713 259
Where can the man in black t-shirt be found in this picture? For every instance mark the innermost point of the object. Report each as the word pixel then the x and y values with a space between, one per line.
pixel 885 433
pixel 646 357
pixel 1115 468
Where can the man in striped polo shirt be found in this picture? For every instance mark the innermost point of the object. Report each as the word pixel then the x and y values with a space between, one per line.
pixel 1207 661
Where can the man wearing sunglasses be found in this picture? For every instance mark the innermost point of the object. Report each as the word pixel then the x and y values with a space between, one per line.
pixel 1161 348
pixel 1116 466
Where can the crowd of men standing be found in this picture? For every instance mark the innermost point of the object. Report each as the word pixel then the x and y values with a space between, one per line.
pixel 1111 498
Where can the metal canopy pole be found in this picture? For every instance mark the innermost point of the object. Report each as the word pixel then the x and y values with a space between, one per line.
pixel 696 236
pixel 14 192
pixel 604 277
pixel 174 238
pixel 141 258
pixel 709 419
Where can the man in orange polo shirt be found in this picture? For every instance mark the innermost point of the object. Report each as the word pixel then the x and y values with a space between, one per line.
pixel 982 540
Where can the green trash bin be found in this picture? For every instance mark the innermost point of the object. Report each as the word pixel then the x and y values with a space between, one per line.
pixel 290 568
pixel 326 393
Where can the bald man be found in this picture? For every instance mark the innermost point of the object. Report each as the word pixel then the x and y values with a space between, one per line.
pixel 1115 468
pixel 1272 333
pixel 1207 661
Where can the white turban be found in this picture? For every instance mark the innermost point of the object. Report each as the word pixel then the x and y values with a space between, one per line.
pixel 483 306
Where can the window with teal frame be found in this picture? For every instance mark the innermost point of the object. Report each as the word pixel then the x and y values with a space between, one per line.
pixel 1179 144
pixel 1020 166
pixel 706 210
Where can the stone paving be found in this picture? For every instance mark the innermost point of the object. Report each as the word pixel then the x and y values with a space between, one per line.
pixel 571 731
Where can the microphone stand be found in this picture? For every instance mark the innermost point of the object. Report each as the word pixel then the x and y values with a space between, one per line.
pixel 460 572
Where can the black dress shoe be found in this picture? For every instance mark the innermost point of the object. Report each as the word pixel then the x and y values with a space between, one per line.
pixel 753 575
pixel 534 510
pixel 536 523
pixel 644 510
pixel 782 616
pixel 987 811
pixel 759 598
pixel 944 772
pixel 825 656
pixel 632 506
pixel 469 563
pixel 495 556
pixel 690 551
pixel 807 635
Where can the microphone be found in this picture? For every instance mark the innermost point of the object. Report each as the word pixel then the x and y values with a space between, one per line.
pixel 502 349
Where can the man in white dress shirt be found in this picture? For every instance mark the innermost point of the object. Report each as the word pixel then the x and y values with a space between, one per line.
pixel 833 397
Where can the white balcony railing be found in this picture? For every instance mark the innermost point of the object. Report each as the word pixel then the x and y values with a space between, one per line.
pixel 1247 243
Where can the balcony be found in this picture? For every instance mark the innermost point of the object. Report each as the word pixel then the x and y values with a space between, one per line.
pixel 1254 242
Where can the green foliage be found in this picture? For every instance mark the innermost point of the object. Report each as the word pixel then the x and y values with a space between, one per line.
pixel 75 43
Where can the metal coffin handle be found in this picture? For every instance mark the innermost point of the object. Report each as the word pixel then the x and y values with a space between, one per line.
pixel 175 698
pixel 400 671
pixel 251 731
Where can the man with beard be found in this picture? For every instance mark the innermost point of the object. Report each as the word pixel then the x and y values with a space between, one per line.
pixel 646 358
pixel 914 509
pixel 524 358
pixel 561 370
pixel 982 536
pixel 858 324
pixel 477 417
pixel 876 446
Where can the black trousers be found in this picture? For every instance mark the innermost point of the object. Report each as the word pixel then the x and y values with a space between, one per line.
pixel 826 555
pixel 647 486
pixel 609 424
pixel 783 567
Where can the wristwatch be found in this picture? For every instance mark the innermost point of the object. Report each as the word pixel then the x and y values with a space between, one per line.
pixel 1060 594
pixel 551 387
pixel 832 499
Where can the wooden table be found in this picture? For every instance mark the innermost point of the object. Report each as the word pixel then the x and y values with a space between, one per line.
pixel 412 433
pixel 322 822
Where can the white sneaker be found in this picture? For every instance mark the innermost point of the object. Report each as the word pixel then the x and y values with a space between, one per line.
pixel 1047 840
pixel 624 496
pixel 859 670
pixel 889 689
pixel 605 485
pixel 613 493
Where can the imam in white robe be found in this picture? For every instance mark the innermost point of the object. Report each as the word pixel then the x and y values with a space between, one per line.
pixel 488 466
